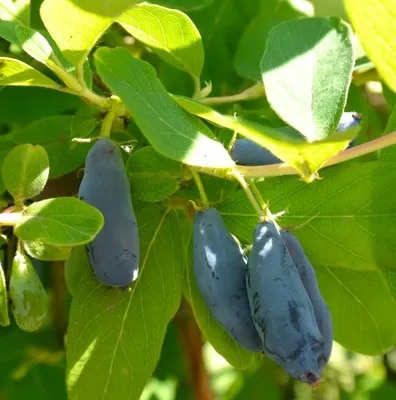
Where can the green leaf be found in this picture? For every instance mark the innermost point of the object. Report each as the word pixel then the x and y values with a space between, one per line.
pixel 389 153
pixel 170 33
pixel 109 8
pixel 221 26
pixel 17 11
pixel 22 364
pixel 25 171
pixel 360 304
pixel 43 130
pixel 324 8
pixel 7 32
pixel 85 120
pixel 55 134
pixel 75 267
pixel 307 70
pixel 374 22
pixel 6 145
pixel 74 30
pixel 64 221
pixel 171 132
pixel 29 299
pixel 46 252
pixel 222 342
pixel 17 73
pixel 252 44
pixel 118 335
pixel 306 157
pixel 185 5
pixel 347 238
pixel 36 45
pixel 4 318
pixel 26 104
pixel 152 177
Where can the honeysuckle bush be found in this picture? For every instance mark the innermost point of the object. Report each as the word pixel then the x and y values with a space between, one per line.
pixel 174 83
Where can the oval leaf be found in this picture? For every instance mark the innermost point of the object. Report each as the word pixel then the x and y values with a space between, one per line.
pixel 360 305
pixel 170 33
pixel 16 73
pixel 152 176
pixel 46 252
pixel 375 23
pixel 307 70
pixel 118 335
pixel 168 128
pixel 25 171
pixel 64 221
pixel 109 8
pixel 74 30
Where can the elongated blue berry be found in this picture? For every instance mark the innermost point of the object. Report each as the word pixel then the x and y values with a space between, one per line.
pixel 114 253
pixel 281 308
pixel 309 280
pixel 220 272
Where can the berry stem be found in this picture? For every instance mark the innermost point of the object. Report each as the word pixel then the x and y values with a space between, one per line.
pixel 204 198
pixel 249 194
pixel 263 205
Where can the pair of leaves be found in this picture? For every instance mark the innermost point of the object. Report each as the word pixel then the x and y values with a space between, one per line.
pixel 50 223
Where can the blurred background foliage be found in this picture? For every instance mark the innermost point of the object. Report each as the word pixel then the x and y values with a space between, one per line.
pixel 32 366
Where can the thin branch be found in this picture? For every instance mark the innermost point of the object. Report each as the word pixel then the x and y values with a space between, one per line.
pixel 254 92
pixel 346 155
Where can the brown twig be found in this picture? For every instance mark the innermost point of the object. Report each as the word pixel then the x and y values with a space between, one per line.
pixel 191 341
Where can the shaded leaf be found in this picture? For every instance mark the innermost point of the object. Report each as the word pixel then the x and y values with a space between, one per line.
pixel 75 267
pixel 7 31
pixel 85 121
pixel 55 134
pixel 152 176
pixel 121 332
pixel 4 318
pixel 252 44
pixel 360 304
